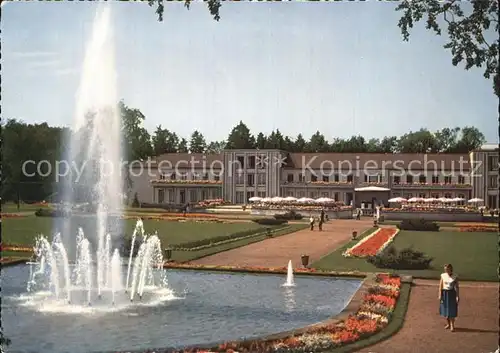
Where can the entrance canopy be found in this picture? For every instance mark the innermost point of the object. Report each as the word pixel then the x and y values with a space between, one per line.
pixel 372 188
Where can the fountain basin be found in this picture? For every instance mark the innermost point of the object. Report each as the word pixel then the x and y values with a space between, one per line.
pixel 204 307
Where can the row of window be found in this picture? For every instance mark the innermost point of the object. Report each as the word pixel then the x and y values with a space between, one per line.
pixel 492 163
pixel 377 179
pixel 409 195
pixel 190 196
pixel 204 176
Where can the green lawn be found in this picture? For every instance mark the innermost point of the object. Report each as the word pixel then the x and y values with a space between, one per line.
pixel 24 230
pixel 473 255
pixel 24 207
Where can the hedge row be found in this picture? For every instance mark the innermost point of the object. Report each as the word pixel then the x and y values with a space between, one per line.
pixel 208 241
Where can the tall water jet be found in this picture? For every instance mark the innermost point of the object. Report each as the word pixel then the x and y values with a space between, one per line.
pixel 95 145
pixel 139 228
pixel 289 276
pixel 116 274
pixel 65 263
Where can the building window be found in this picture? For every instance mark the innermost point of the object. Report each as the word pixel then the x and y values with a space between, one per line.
pixel 302 179
pixel 217 177
pixel 408 196
pixel 261 178
pixel 262 161
pixel 435 196
pixel 422 195
pixel 171 196
pixel 194 176
pixel 324 194
pixel 312 194
pixel 397 180
pixel 314 178
pixel 240 197
pixel 336 196
pixel 447 195
pixel 241 162
pixel 435 179
pixel 374 178
pixel 250 179
pixel 409 179
pixel 396 194
pixel 349 178
pixel 262 194
pixel 461 179
pixel 161 196
pixel 163 176
pixel 239 179
pixel 326 178
pixel 251 162
pixel 493 182
pixel 422 179
pixel 205 176
pixel 289 178
pixel 462 196
pixel 289 193
pixel 193 195
pixel 183 176
pixel 492 201
pixel 301 194
pixel 447 180
pixel 492 163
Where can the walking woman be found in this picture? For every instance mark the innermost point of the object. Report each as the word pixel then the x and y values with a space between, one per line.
pixel 448 296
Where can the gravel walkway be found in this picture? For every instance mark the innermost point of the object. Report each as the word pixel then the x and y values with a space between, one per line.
pixel 423 330
pixel 276 252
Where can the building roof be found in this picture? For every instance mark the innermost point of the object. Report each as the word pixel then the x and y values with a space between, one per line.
pixel 336 161
pixel 339 161
pixel 489 147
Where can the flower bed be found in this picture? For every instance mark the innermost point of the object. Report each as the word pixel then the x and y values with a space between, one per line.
pixel 11 215
pixel 173 216
pixel 479 228
pixel 373 315
pixel 372 244
pixel 15 248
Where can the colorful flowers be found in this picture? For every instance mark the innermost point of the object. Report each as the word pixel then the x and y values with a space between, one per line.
pixel 195 182
pixel 12 215
pixel 372 244
pixel 479 228
pixel 16 248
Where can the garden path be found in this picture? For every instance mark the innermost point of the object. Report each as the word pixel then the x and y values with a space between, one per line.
pixel 423 329
pixel 276 252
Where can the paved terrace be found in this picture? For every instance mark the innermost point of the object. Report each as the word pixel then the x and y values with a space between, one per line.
pixel 276 252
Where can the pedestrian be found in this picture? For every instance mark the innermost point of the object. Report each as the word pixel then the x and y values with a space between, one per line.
pixel 311 222
pixel 320 225
pixel 448 296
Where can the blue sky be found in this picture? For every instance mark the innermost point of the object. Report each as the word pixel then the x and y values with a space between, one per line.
pixel 341 68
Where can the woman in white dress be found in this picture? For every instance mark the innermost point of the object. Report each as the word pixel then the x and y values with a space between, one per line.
pixel 448 296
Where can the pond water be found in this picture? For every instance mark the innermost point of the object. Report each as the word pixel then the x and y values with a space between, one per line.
pixel 205 307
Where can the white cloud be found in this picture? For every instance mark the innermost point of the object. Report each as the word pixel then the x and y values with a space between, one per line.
pixel 43 64
pixel 66 71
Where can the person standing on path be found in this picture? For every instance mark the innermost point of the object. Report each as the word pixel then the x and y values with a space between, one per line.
pixel 448 297
pixel 311 222
pixel 321 220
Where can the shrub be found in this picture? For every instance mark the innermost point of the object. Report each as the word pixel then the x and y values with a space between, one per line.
pixel 290 216
pixel 127 246
pixel 406 259
pixel 419 225
pixel 44 212
pixel 270 221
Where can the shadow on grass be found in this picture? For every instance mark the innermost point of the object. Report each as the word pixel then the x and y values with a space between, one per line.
pixel 396 323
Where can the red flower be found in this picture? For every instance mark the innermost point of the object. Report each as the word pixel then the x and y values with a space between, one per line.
pixel 382 299
pixel 373 244
pixel 361 326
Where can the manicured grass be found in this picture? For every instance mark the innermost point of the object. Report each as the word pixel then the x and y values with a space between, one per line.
pixel 473 255
pixel 488 222
pixel 185 256
pixel 396 323
pixel 23 231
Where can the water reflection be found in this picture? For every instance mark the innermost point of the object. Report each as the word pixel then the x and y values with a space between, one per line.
pixel 289 299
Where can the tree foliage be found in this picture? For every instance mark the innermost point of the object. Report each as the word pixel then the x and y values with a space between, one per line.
pixel 467 31
pixel 37 142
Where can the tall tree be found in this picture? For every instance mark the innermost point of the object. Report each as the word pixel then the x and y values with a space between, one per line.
pixel 261 141
pixel 137 139
pixel 471 139
pixel 300 144
pixel 182 146
pixel 197 144
pixel 216 147
pixel 165 141
pixel 240 138
pixel 472 30
pixel 318 143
